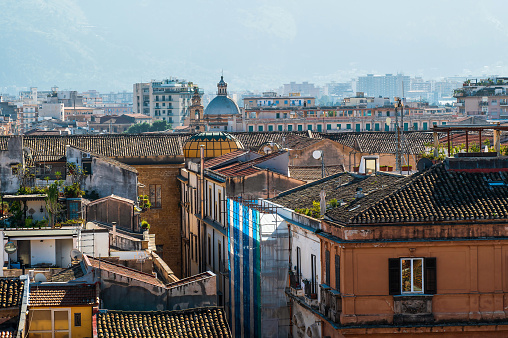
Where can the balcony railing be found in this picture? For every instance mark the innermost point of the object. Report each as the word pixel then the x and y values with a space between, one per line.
pixel 331 303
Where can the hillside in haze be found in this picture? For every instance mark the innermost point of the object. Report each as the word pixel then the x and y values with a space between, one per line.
pixel 108 45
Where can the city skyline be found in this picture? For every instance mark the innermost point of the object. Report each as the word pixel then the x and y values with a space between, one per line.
pixel 259 45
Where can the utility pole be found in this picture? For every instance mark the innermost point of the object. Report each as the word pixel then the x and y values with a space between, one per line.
pixel 397 134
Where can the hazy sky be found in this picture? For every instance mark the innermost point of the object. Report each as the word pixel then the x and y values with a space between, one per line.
pixel 108 44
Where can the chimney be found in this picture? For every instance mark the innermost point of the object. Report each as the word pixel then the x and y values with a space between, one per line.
pixel 322 204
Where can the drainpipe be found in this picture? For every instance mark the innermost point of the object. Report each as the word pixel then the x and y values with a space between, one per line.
pixel 201 233
pixel 322 198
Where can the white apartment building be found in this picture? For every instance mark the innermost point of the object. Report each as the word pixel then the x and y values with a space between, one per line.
pixel 166 100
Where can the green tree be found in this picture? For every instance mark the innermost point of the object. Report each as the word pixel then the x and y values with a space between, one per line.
pixel 160 125
pixel 53 206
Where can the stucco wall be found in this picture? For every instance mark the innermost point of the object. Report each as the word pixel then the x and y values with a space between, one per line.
pixel 13 156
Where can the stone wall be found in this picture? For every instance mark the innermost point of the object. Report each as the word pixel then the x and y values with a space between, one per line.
pixel 165 222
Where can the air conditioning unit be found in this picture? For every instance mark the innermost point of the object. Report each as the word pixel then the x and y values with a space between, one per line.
pixel 86 155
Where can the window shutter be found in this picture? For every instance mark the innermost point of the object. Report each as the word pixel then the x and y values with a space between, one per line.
pixel 327 267
pixel 394 276
pixel 337 273
pixel 430 275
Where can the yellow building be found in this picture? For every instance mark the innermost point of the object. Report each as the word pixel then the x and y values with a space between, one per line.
pixel 61 311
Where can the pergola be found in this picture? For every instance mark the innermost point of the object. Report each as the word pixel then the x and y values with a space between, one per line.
pixel 496 128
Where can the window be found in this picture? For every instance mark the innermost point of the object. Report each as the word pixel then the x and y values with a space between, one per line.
pixel 209 247
pixel 339 126
pixel 251 128
pixel 313 276
pixel 424 126
pixel 367 126
pixel 220 207
pixel 309 127
pixel 298 263
pixel 270 128
pixel 412 275
pixel 300 127
pixel 77 319
pixel 285 115
pixel 376 126
pixel 337 273
pixel 156 195
pixel 210 201
pixel 260 128
pixel 285 101
pixel 406 126
pixel 50 323
pixel 277 115
pixel 290 128
pixel 219 246
pixel 415 126
pixel 279 127
pixel 319 128
pixel 328 127
pixel 327 267
pixel 358 127
pixel 348 125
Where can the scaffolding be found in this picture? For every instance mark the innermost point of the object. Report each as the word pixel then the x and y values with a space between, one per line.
pixel 268 262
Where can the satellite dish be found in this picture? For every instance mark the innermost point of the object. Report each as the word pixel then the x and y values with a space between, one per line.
pixel 40 278
pixel 388 120
pixel 89 225
pixel 317 154
pixel 76 255
pixel 10 247
pixel 423 164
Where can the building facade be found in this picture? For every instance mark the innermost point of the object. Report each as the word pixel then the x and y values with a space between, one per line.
pixel 166 100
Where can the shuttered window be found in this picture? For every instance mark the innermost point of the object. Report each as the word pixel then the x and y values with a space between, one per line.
pixel 327 267
pixel 405 275
pixel 337 273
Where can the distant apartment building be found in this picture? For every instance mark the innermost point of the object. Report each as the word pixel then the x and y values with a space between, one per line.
pixel 304 88
pixel 166 100
pixel 487 97
pixel 388 85
pixel 339 90
pixel 29 115
pixel 271 113
pixel 120 97
pixel 271 99
pixel 52 110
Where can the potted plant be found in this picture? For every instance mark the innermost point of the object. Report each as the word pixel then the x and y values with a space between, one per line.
pixel 390 168
pixel 383 168
pixel 406 167
pixel 145 225
pixel 73 191
pixel 356 169
pixel 144 202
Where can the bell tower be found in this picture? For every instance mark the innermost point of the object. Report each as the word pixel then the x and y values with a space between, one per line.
pixel 222 87
pixel 196 112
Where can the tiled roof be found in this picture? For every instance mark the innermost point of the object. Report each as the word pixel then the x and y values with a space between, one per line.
pixel 435 195
pixel 11 292
pixel 239 169
pixel 313 173
pixel 7 334
pixel 72 273
pixel 199 276
pixel 62 295
pixel 340 186
pixel 225 158
pixel 381 142
pixel 123 271
pixel 108 160
pixel 48 148
pixel 191 323
pixel 289 139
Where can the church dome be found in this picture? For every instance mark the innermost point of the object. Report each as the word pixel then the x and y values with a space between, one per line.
pixel 222 105
pixel 216 143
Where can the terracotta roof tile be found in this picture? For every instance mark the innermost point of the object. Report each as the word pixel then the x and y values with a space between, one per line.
pixel 292 140
pixel 313 173
pixel 72 273
pixel 340 186
pixel 191 323
pixel 225 158
pixel 381 142
pixel 239 169
pixel 11 292
pixel 435 195
pixel 62 295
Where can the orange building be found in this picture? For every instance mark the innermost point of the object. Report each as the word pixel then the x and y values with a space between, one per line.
pixel 424 254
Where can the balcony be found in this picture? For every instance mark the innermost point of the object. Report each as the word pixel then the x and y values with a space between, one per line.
pixel 331 303
pixel 413 309
pixel 503 102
